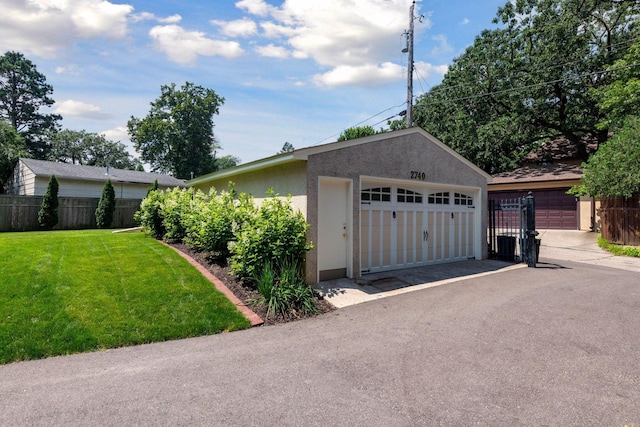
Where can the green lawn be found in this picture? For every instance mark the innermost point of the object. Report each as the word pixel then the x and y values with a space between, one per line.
pixel 65 292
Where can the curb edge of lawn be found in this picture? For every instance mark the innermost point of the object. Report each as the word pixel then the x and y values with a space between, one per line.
pixel 254 319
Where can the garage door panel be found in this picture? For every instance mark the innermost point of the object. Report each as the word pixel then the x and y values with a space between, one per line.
pixel 406 231
pixel 554 208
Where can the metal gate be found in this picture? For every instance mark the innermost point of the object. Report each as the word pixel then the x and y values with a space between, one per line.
pixel 511 233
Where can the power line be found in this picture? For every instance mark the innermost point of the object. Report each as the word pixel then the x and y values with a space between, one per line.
pixel 363 121
pixel 498 92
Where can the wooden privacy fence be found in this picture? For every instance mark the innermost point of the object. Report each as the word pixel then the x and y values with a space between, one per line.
pixel 20 213
pixel 620 220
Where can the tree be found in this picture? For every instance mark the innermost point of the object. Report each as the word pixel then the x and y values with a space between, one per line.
pixel 286 148
pixel 621 98
pixel 23 93
pixel 177 135
pixel 106 206
pixel 11 149
pixel 356 132
pixel 529 80
pixel 225 162
pixel 614 170
pixel 48 214
pixel 91 149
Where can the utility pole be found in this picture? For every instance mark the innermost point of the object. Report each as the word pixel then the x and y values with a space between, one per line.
pixel 410 68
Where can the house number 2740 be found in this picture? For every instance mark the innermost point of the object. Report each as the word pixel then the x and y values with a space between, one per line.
pixel 420 176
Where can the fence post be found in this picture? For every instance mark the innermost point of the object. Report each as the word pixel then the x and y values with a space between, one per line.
pixel 531 233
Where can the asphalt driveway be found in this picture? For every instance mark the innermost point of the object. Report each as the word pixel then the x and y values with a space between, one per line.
pixel 556 345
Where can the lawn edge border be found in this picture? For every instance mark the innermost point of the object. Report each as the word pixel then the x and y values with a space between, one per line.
pixel 254 319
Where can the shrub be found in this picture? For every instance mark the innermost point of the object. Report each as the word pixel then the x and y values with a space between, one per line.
pixel 176 206
pixel 276 234
pixel 106 206
pixel 48 214
pixel 149 216
pixel 210 222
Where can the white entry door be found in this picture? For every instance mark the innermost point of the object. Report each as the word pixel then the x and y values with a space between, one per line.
pixel 409 227
pixel 334 202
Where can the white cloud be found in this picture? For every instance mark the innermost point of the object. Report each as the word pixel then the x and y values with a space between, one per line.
pixel 184 46
pixel 72 69
pixel 355 39
pixel 443 47
pixel 148 16
pixel 272 30
pixel 100 19
pixel 238 28
pixel 119 134
pixel 361 75
pixel 465 21
pixel 73 108
pixel 255 7
pixel 273 51
pixel 43 27
pixel 427 70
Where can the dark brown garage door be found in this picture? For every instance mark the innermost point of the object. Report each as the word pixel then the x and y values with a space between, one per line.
pixel 554 208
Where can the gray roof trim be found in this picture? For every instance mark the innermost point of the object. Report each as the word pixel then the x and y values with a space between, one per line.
pixel 304 153
pixel 43 168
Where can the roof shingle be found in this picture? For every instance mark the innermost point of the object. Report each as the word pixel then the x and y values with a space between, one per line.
pixel 97 173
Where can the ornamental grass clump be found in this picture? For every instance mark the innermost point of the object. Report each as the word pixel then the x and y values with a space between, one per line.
pixel 285 294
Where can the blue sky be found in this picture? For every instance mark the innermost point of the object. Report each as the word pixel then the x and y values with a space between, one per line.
pixel 298 71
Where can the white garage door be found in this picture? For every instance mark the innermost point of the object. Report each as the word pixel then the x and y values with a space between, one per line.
pixel 402 227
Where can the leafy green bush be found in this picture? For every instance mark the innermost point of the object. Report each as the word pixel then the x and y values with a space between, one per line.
pixel 210 222
pixel 614 170
pixel 276 234
pixel 48 213
pixel 150 215
pixel 106 206
pixel 176 207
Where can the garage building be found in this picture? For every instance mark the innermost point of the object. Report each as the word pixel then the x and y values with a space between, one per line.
pixel 388 201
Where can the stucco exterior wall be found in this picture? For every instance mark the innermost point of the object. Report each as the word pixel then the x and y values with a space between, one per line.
pixel 589 214
pixel 393 158
pixel 287 179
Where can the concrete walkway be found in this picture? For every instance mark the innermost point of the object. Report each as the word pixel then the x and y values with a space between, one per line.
pixel 581 246
pixel 345 292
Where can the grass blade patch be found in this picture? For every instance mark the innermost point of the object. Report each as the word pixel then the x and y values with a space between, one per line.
pixel 65 292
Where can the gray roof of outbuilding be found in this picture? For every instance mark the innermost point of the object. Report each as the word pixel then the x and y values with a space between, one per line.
pixel 97 173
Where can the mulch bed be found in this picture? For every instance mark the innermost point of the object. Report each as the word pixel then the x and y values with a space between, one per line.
pixel 247 294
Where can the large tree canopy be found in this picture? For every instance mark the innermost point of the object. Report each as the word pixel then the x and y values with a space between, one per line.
pixel 621 97
pixel 529 80
pixel 23 93
pixel 177 135
pixel 86 148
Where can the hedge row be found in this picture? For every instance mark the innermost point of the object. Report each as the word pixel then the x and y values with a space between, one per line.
pixel 229 225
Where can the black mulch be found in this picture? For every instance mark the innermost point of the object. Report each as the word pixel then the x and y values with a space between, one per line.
pixel 246 293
